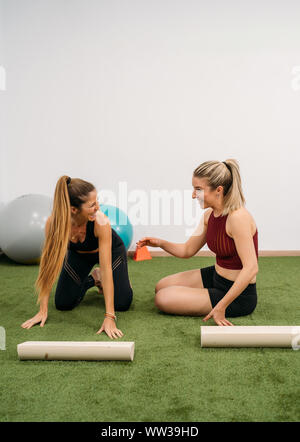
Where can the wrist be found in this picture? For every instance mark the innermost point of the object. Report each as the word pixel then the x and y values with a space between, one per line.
pixel 161 243
pixel 220 306
pixel 110 316
pixel 44 307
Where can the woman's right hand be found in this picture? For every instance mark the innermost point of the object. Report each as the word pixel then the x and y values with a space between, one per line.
pixel 148 241
pixel 41 317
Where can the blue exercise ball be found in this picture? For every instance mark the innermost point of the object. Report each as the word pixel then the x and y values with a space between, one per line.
pixel 119 222
pixel 22 227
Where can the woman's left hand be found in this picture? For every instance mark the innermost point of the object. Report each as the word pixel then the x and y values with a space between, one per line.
pixel 109 326
pixel 218 314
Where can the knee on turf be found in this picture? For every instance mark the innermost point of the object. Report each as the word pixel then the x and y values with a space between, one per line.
pixel 122 305
pixel 162 299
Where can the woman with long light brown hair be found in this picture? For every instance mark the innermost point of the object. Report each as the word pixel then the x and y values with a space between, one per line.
pixel 227 288
pixel 78 236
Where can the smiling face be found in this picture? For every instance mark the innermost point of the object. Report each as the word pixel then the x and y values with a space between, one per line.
pixel 206 196
pixel 88 209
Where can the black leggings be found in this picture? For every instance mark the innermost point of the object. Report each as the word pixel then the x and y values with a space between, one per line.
pixel 74 279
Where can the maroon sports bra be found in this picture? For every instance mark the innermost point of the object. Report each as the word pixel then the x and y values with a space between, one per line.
pixel 222 245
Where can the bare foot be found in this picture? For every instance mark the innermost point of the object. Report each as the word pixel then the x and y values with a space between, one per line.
pixel 96 274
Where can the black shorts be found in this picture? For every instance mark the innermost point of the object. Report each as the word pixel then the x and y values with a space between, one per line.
pixel 218 286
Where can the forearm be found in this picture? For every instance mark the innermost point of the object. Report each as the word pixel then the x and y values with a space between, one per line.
pixel 239 285
pixel 108 290
pixel 43 301
pixel 174 249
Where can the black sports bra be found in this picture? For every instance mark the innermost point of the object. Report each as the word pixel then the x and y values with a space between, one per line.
pixel 91 242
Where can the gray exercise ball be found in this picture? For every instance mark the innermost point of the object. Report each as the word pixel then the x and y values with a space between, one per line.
pixel 22 227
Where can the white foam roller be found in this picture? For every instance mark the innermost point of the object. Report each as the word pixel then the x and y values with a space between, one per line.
pixel 250 336
pixel 71 351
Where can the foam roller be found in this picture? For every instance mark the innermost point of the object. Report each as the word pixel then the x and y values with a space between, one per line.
pixel 250 336
pixel 72 351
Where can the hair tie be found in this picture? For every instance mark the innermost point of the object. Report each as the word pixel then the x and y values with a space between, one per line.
pixel 68 180
pixel 227 165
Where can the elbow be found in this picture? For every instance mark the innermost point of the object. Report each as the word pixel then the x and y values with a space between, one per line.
pixel 253 270
pixel 186 253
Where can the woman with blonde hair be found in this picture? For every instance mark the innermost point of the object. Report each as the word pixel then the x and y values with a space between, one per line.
pixel 229 287
pixel 79 235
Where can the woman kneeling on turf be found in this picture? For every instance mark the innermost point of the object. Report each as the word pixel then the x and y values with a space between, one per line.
pixel 229 287
pixel 78 234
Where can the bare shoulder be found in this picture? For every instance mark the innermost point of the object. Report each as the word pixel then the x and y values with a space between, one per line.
pixel 207 215
pixel 241 215
pixel 102 223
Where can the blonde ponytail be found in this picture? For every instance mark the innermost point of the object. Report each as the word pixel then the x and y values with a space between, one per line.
pixel 234 198
pixel 56 241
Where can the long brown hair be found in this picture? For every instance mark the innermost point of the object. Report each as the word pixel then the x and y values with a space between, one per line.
pixel 227 175
pixel 68 192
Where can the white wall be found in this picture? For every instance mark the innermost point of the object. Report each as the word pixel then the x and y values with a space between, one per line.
pixel 143 91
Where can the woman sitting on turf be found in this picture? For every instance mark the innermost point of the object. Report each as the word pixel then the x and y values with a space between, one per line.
pixel 78 235
pixel 229 287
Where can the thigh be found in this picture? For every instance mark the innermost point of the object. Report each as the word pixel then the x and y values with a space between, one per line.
pixel 190 278
pixel 71 285
pixel 80 264
pixel 180 300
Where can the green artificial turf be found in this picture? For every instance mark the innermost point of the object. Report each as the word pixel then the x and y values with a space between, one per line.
pixel 172 379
